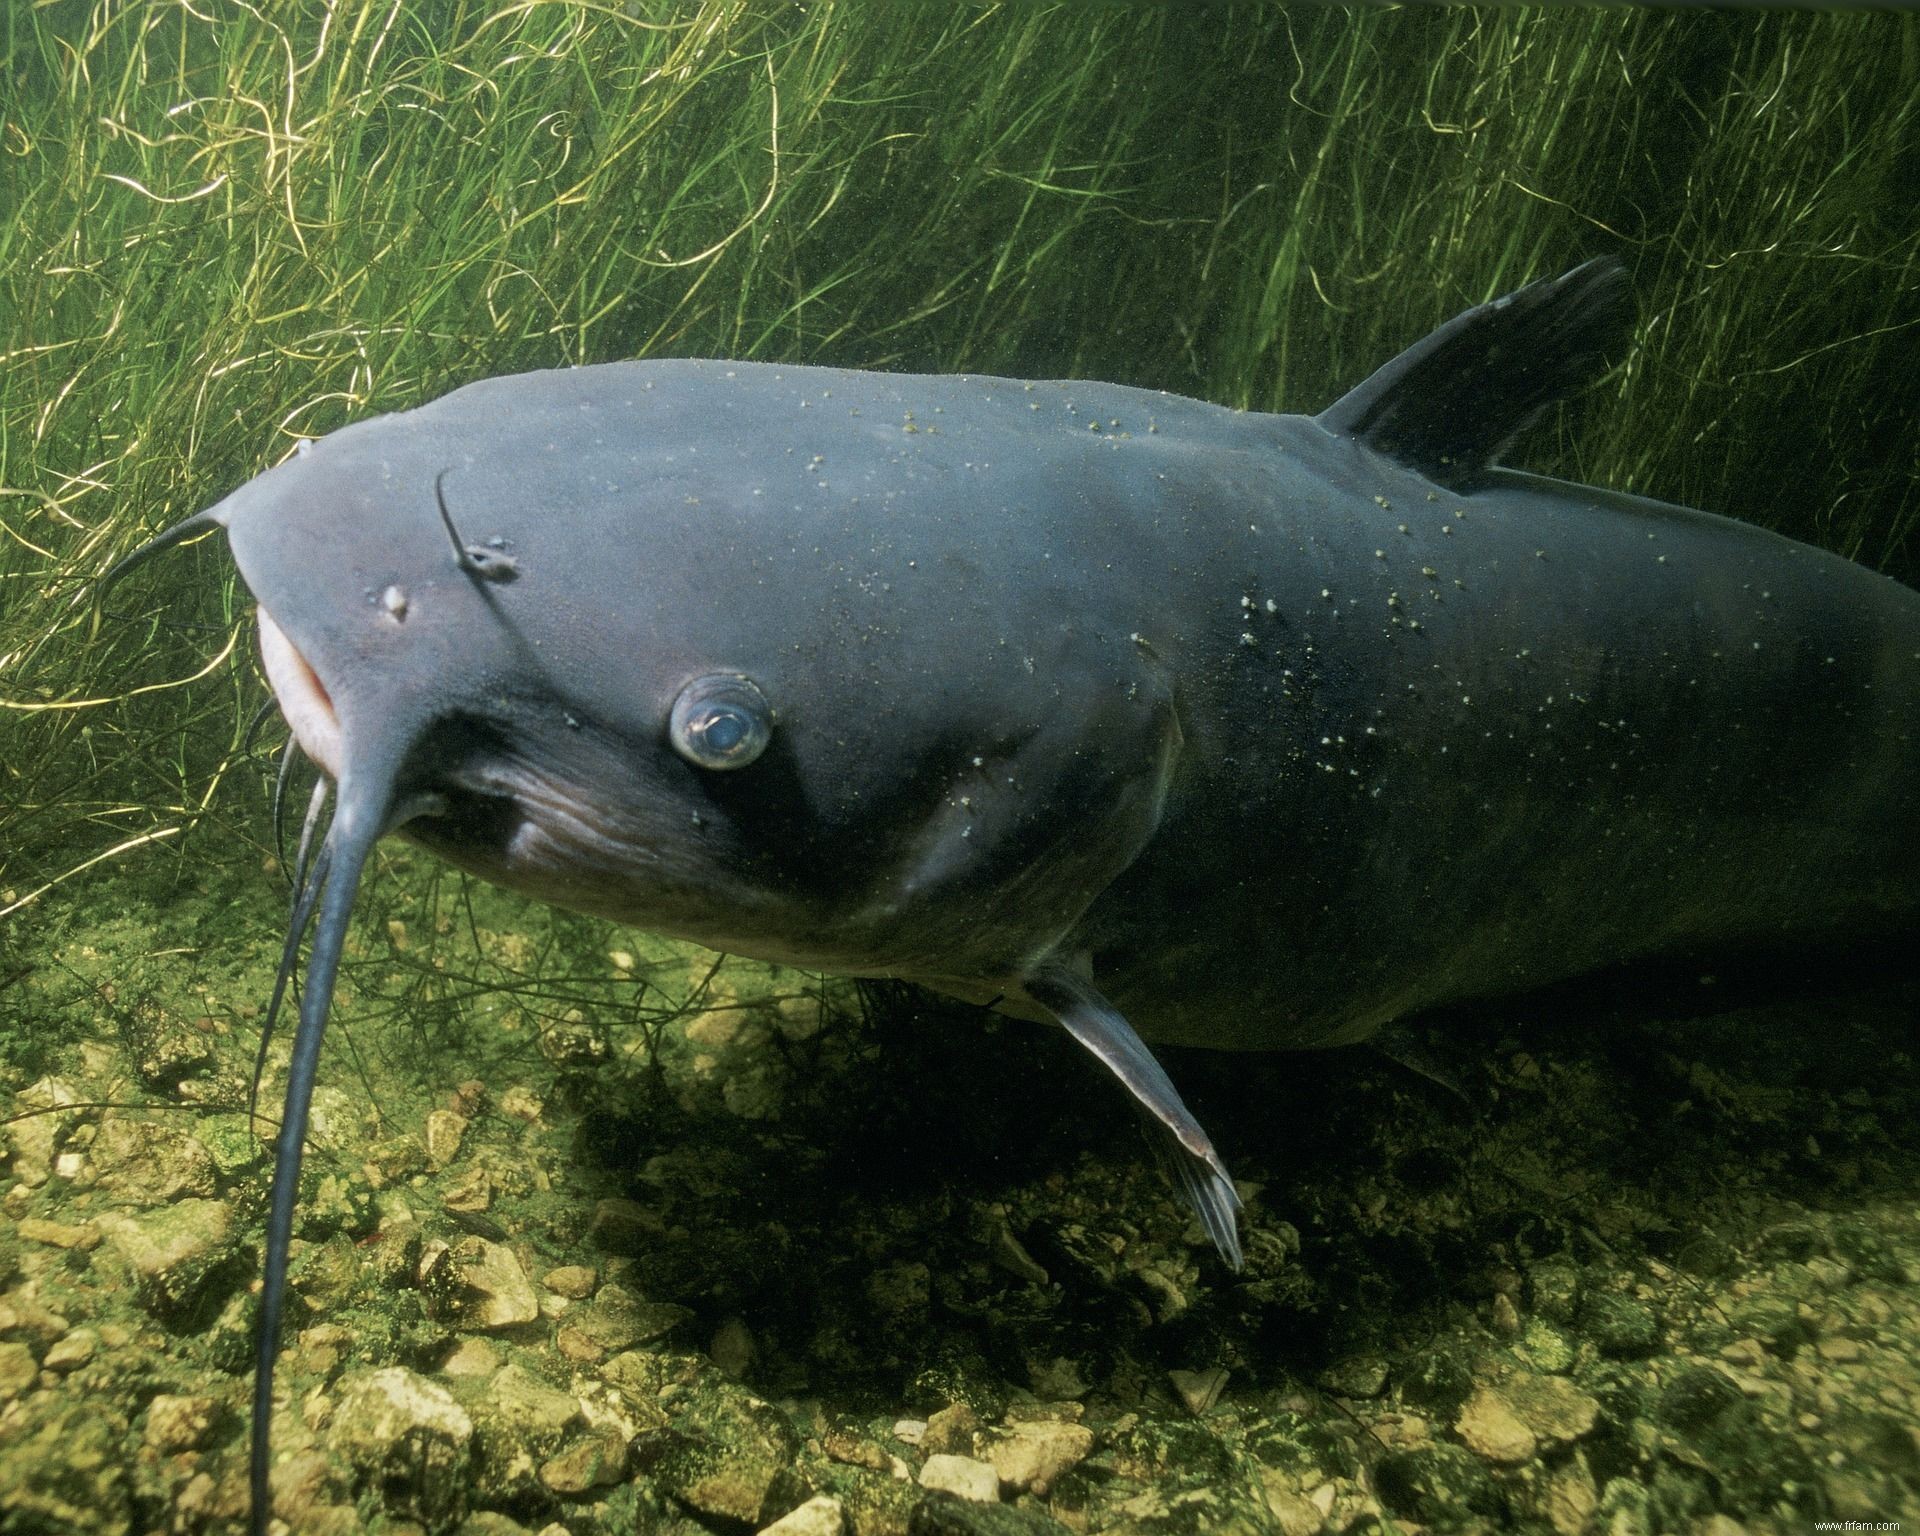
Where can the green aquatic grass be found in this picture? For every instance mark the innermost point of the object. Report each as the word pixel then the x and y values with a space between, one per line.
pixel 225 229
pixel 223 236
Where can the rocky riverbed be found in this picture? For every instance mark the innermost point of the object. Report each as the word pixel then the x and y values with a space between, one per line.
pixel 598 1238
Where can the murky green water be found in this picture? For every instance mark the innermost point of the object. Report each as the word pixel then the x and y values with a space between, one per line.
pixel 592 1234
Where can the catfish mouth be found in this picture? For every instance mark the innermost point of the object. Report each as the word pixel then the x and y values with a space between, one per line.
pixel 304 699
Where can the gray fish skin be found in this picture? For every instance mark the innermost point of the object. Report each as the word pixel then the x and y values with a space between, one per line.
pixel 1149 717
pixel 1291 738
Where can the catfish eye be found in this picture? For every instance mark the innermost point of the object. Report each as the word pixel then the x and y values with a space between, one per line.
pixel 721 721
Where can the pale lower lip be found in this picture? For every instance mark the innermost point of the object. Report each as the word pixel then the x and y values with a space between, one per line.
pixel 303 699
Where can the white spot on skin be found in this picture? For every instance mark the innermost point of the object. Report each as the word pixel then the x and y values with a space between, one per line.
pixel 394 602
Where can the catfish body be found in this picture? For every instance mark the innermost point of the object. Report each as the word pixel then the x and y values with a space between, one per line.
pixel 1104 706
pixel 1289 738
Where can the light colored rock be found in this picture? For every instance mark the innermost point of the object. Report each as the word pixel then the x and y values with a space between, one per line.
pixel 950 1431
pixel 499 1292
pixel 470 1191
pixel 22 1313
pixel 180 1423
pixel 821 1515
pixel 613 1321
pixel 962 1475
pixel 716 1029
pixel 573 1281
pixel 1489 1427
pixel 1553 1409
pixel 407 1434
pixel 471 1357
pixel 83 1235
pixel 910 1431
pixel 36 1138
pixel 516 1396
pixel 151 1164
pixel 1569 1497
pixel 1031 1457
pixel 488 1522
pixel 18 1371
pixel 72 1350
pixel 522 1104
pixel 597 1459
pixel 445 1131
pixel 518 1423
pixel 1292 1511
pixel 181 1255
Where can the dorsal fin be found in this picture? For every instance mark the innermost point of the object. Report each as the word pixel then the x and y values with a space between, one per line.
pixel 1449 405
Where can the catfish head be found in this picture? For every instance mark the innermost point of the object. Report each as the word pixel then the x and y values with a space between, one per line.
pixel 611 637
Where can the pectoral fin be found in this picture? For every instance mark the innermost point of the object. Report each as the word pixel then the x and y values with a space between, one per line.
pixel 1177 1137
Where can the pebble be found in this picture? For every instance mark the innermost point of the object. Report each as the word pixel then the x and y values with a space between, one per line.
pixel 177 1424
pixel 20 1312
pixel 613 1321
pixel 950 1431
pixel 1200 1390
pixel 574 1281
pixel 594 1460
pixel 854 1450
pixel 520 1403
pixel 1057 1378
pixel 471 1357
pixel 72 1350
pixel 1490 1428
pixel 36 1138
pixel 398 1428
pixel 1292 1513
pixel 470 1192
pixel 1543 1347
pixel 624 1227
pixel 1569 1497
pixel 1356 1376
pixel 150 1164
pixel 963 1475
pixel 1032 1457
pixel 18 1371
pixel 488 1522
pixel 182 1257
pixel 1510 1422
pixel 821 1515
pixel 522 1104
pixel 742 1451
pixel 500 1294
pixel 445 1131
pixel 83 1235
